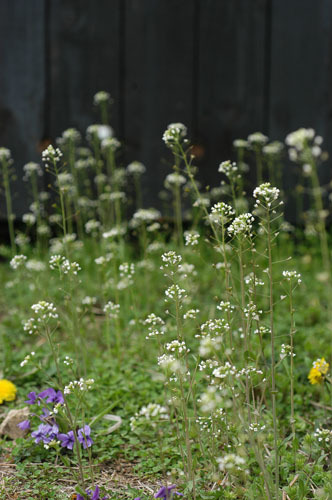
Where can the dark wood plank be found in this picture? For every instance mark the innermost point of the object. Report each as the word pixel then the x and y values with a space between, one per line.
pixel 21 87
pixel 231 77
pixel 301 77
pixel 84 58
pixel 159 87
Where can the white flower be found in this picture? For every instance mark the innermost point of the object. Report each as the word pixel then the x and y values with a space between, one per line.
pixel 101 97
pixel 112 310
pixel 228 168
pixel 174 134
pixel 110 144
pixel 5 154
pixel 51 155
pixel 191 238
pixel 241 225
pixel 174 179
pixel 257 139
pixel 17 261
pixel 136 168
pixel 292 276
pixel 100 131
pixel 30 169
pixel 266 194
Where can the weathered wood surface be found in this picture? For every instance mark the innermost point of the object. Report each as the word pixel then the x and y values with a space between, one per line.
pixel 22 86
pixel 224 67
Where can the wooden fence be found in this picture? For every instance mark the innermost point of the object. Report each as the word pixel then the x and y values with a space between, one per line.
pixel 223 67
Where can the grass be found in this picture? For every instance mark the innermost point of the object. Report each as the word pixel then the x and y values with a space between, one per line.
pixel 205 394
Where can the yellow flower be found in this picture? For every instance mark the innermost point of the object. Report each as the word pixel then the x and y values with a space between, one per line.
pixel 7 391
pixel 318 371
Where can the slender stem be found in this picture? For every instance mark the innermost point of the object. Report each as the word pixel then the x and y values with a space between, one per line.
pixel 273 375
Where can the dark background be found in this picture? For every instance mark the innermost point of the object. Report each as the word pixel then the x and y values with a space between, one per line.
pixel 225 68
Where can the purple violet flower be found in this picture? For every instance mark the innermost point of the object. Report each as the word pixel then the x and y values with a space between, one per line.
pixel 51 396
pixel 166 492
pixel 32 398
pixel 24 425
pixel 45 433
pixel 67 440
pixel 84 437
pixel 92 495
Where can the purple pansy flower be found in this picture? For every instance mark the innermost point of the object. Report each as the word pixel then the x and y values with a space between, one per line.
pixel 67 440
pixel 84 437
pixel 32 398
pixel 166 492
pixel 51 396
pixel 24 425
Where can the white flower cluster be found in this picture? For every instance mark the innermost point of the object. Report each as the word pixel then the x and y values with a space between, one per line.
pixel 92 226
pixel 89 301
pixel 51 155
pixel 228 168
pixel 266 194
pixel 35 265
pixel 286 350
pixel 68 361
pixel 152 413
pixel 225 306
pixel 127 270
pixel 169 363
pixel 177 346
pixel 209 400
pixel 221 213
pixel 98 131
pixel 241 225
pixel 323 435
pixel 80 385
pixel 71 135
pixel 191 314
pixel 27 359
pixel 101 97
pixel 255 427
pixel 273 149
pixel 174 179
pixel 213 326
pixel 104 259
pixel 209 345
pixel 231 463
pixel 252 281
pixel 301 140
pixel 136 168
pixel 174 292
pixel 240 143
pixel 44 311
pixel 257 139
pixel 174 134
pixel 110 144
pixel 114 232
pixel 191 238
pixel 18 261
pixel 31 169
pixel 29 219
pixel 5 154
pixel 292 276
pixel 251 312
pixel 112 310
pixel 60 263
pixel 155 324
pixel 145 215
pixel 171 258
pixel 223 371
